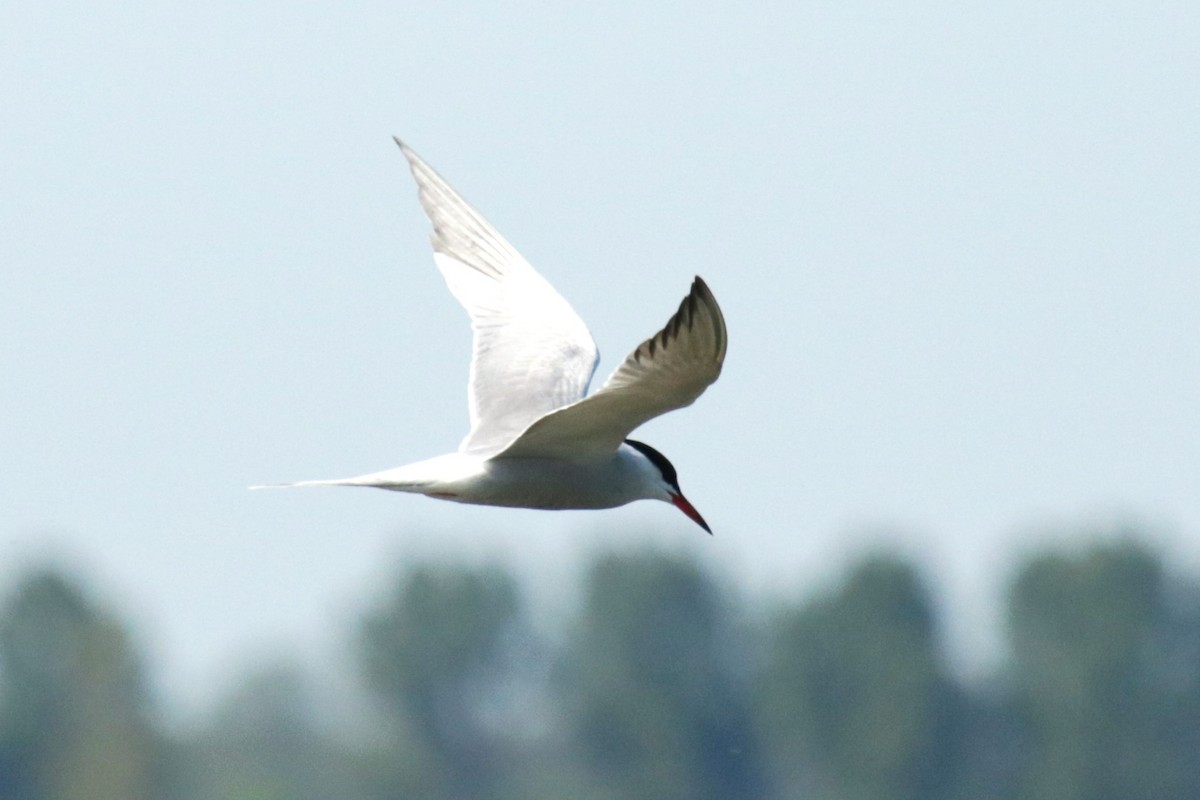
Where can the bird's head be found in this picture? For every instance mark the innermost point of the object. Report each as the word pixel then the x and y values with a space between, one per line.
pixel 669 480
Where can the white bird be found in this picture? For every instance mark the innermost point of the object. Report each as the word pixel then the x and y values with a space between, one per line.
pixel 537 439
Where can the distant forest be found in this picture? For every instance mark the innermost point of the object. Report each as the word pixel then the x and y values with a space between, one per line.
pixel 664 684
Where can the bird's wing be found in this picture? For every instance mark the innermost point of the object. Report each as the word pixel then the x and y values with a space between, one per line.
pixel 667 371
pixel 532 353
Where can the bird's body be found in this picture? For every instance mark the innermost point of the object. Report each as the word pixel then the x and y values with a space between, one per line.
pixel 537 438
pixel 545 483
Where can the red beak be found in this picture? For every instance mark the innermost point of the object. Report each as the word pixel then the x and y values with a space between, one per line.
pixel 683 505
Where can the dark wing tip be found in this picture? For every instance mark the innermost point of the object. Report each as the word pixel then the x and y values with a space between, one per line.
pixel 700 296
pixel 408 151
pixel 414 160
pixel 703 295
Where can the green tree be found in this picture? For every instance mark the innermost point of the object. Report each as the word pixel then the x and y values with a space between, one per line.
pixel 74 721
pixel 656 685
pixel 436 657
pixel 266 741
pixel 1107 678
pixel 854 696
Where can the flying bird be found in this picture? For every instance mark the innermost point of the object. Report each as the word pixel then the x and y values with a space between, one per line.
pixel 537 438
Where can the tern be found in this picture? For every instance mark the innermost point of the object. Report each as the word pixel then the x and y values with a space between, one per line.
pixel 537 438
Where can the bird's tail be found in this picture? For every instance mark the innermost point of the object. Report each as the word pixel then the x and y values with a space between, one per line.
pixel 294 484
pixel 393 479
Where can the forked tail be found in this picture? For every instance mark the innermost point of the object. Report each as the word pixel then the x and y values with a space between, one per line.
pixel 294 484
pixel 392 479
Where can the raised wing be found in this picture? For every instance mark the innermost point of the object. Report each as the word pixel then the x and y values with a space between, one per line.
pixel 532 353
pixel 667 371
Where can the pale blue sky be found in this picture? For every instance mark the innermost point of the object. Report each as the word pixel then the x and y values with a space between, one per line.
pixel 957 246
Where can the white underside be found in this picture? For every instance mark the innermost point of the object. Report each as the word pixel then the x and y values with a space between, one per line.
pixel 521 482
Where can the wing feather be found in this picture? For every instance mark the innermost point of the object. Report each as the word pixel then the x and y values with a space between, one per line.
pixel 531 352
pixel 667 371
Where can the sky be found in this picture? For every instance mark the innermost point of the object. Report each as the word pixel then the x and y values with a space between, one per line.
pixel 956 246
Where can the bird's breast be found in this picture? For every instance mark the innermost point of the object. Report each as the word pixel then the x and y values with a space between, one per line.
pixel 547 484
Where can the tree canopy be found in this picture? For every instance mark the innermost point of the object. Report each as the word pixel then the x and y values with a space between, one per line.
pixel 664 682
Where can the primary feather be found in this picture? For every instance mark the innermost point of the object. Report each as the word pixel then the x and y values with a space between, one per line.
pixel 531 352
pixel 667 371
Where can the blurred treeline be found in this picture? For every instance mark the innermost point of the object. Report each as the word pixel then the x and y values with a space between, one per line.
pixel 663 683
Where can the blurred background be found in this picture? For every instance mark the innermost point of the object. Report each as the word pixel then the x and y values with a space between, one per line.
pixel 951 464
